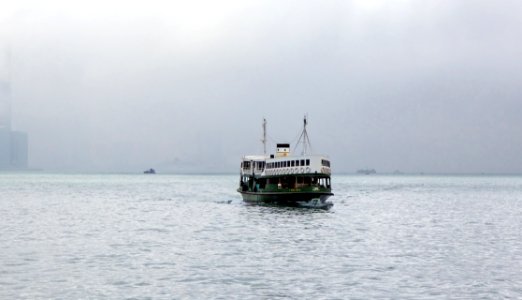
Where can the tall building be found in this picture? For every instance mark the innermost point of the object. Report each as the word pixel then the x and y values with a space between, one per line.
pixel 13 144
pixel 19 153
pixel 5 126
pixel 5 148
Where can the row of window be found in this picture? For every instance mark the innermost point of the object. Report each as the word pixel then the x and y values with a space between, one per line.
pixel 260 165
pixel 288 163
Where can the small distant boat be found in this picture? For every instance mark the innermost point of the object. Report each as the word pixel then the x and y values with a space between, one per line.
pixel 285 179
pixel 149 171
pixel 367 171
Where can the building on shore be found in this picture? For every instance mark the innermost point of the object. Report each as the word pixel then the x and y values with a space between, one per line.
pixel 13 144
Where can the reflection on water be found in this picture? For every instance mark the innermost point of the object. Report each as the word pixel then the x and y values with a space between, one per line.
pixel 183 237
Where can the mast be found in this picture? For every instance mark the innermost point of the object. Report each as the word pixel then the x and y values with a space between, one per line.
pixel 264 136
pixel 304 138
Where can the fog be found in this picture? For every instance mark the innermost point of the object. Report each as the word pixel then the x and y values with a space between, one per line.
pixel 183 86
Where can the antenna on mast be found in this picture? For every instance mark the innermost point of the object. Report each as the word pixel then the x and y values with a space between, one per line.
pixel 263 140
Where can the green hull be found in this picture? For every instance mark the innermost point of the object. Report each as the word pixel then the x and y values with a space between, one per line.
pixel 298 199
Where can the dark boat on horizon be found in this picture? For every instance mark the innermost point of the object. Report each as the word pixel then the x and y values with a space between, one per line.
pixel 149 171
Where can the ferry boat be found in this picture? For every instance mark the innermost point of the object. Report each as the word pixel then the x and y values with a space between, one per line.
pixel 286 179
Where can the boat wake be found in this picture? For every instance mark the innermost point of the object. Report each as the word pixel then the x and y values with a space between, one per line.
pixel 315 203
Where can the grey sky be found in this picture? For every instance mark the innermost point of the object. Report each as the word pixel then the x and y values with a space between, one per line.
pixel 417 86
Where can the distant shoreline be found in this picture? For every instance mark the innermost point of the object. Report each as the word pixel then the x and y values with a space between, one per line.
pixel 159 173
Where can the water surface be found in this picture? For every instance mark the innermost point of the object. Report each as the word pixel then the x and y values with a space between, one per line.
pixel 191 237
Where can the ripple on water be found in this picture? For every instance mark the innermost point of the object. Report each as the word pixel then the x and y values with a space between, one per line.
pixel 191 237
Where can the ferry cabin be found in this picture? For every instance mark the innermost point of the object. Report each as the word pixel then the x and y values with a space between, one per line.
pixel 284 173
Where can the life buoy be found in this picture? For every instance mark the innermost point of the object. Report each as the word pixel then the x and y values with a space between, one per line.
pixel 307 169
pixel 302 170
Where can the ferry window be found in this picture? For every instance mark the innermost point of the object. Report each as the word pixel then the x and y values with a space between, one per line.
pixel 286 163
pixel 292 163
pixel 307 162
pixel 302 162
pixel 297 163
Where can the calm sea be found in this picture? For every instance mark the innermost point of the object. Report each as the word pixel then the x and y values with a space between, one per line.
pixel 191 237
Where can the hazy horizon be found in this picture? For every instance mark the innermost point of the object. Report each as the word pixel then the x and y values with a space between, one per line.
pixel 414 86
